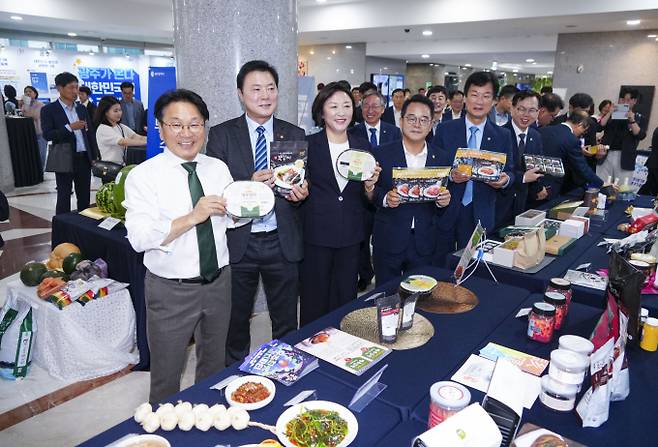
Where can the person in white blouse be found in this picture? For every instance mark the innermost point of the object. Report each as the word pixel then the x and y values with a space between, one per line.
pixel 176 215
pixel 112 137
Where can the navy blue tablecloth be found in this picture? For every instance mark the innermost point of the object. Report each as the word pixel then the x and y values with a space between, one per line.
pixel 375 421
pixel 631 422
pixel 124 264
pixel 411 372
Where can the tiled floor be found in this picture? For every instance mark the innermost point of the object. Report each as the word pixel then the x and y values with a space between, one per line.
pixel 82 409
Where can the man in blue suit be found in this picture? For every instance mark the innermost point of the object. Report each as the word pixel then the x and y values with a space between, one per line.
pixel 64 121
pixel 563 140
pixel 405 234
pixel 439 97
pixel 456 111
pixel 472 201
pixel 378 132
pixel 392 114
pixel 525 140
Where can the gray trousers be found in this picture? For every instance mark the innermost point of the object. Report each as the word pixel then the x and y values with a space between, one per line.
pixel 174 313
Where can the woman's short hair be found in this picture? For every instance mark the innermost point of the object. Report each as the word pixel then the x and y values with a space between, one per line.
pixel 323 96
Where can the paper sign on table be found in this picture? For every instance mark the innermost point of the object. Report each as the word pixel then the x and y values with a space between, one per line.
pixel 528 363
pixel 108 223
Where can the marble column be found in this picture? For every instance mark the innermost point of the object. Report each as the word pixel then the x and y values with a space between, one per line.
pixel 6 170
pixel 213 38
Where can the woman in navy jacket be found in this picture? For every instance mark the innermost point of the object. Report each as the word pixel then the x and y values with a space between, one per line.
pixel 334 211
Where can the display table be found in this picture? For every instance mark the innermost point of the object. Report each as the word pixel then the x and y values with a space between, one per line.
pixel 81 342
pixel 135 155
pixel 24 150
pixel 631 422
pixel 124 264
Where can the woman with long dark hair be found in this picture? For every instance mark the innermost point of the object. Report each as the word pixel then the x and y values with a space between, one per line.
pixel 334 212
pixel 31 107
pixel 112 137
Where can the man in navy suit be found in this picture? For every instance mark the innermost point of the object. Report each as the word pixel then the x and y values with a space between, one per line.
pixel 64 121
pixel 392 114
pixel 438 94
pixel 405 234
pixel 378 133
pixel 525 140
pixel 563 140
pixel 456 110
pixel 472 201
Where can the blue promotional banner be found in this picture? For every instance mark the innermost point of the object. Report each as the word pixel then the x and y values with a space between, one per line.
pixel 39 80
pixel 104 81
pixel 161 80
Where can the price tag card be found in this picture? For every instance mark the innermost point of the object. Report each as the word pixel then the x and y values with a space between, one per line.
pixel 108 223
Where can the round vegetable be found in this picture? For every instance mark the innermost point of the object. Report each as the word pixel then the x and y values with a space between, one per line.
pixel 54 274
pixel 70 262
pixel 32 272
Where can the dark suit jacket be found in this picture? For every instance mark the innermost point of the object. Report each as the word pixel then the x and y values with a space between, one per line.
pixel 589 137
pixel 91 111
pixel 629 141
pixel 389 115
pixel 388 132
pixel 332 218
pixel 447 115
pixel 4 212
pixel 559 141
pixel 230 142
pixel 533 145
pixel 53 125
pixel 451 136
pixel 390 233
pixel 138 113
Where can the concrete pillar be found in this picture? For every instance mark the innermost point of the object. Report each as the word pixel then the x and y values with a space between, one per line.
pixel 213 38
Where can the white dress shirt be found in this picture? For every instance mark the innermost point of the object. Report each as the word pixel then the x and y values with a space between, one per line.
pixel 378 128
pixel 72 116
pixel 336 149
pixel 266 223
pixel 157 193
pixel 397 115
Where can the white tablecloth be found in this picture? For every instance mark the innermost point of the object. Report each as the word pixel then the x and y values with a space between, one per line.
pixel 82 342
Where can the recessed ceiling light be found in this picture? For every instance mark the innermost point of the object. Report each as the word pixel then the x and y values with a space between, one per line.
pixel 91 53
pixel 385 68
pixel 446 73
pixel 71 34
pixel 321 1
pixel 431 65
pixel 652 35
pixel 333 51
pixel 328 58
pixel 425 56
pixel 467 65
pixel 529 60
pixel 633 22
pixel 515 71
pixel 534 63
pixel 349 47
pixel 16 18
pixel 427 32
pixel 311 52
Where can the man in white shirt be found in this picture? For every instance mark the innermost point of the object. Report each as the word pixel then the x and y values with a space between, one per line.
pixel 176 215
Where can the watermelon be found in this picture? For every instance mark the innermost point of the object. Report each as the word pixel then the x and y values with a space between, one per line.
pixel 69 263
pixel 120 192
pixel 32 272
pixel 105 198
pixel 54 274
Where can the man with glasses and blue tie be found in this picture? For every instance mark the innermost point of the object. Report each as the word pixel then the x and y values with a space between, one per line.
pixel 472 201
pixel 269 248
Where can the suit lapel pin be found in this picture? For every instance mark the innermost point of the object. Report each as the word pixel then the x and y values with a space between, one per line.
pixel 488 138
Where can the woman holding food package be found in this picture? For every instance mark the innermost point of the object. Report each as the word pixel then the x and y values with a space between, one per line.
pixel 404 233
pixel 334 211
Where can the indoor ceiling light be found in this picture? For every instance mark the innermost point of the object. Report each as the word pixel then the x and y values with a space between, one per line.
pixel 515 71
pixel 446 73
pixel 652 35
pixel 534 63
pixel 467 65
pixel 427 32
pixel 529 61
pixel 71 34
pixel 349 47
pixel 16 18
pixel 425 56
pixel 91 53
pixel 311 52
pixel 333 51
pixel 633 22
pixel 321 1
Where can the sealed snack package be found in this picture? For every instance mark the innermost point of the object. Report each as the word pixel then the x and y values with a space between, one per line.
pixel 594 406
pixel 17 330
pixel 620 383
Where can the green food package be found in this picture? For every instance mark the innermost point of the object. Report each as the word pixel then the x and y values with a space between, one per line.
pixel 17 330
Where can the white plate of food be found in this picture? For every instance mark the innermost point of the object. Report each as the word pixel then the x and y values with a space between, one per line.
pixel 418 284
pixel 287 176
pixel 310 423
pixel 250 392
pixel 143 441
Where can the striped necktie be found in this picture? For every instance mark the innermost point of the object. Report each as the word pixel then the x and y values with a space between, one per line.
pixel 373 137
pixel 472 144
pixel 260 156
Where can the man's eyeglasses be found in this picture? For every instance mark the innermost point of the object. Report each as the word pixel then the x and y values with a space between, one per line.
pixel 177 128
pixel 524 111
pixel 413 119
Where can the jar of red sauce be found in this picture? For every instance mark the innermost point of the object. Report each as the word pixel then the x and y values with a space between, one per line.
pixel 541 322
pixel 560 302
pixel 563 286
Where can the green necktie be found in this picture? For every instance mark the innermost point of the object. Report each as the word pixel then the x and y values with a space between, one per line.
pixel 204 234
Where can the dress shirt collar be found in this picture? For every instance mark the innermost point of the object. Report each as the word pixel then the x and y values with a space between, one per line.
pixel 63 104
pixel 422 153
pixel 568 126
pixel 469 124
pixel 253 125
pixel 378 127
pixel 173 159
pixel 518 131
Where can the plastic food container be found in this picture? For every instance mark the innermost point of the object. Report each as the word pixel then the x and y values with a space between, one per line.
pixel 556 395
pixel 446 399
pixel 576 344
pixel 560 302
pixel 541 322
pixel 568 367
pixel 563 286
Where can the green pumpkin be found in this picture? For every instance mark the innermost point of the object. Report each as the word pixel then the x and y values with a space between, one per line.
pixel 55 274
pixel 69 263
pixel 32 272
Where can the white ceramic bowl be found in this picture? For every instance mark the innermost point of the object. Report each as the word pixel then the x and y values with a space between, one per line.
pixel 135 440
pixel 295 410
pixel 231 387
